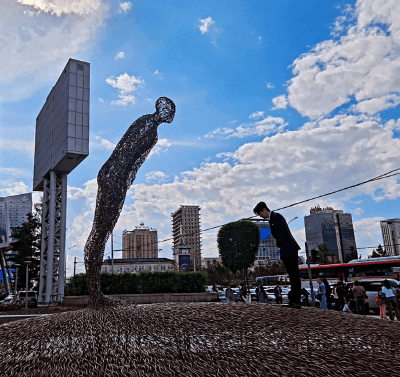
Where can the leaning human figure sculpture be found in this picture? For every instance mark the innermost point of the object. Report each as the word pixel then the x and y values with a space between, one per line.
pixel 114 179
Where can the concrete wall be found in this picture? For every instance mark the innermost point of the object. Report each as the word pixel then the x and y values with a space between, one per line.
pixel 148 298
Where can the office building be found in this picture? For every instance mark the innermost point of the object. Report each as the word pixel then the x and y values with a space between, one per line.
pixel 13 213
pixel 391 236
pixel 142 242
pixel 332 228
pixel 186 234
pixel 267 249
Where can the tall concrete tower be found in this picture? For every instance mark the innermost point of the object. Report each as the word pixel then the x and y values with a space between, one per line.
pixel 61 144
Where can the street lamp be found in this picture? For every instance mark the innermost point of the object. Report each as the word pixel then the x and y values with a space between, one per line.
pixel 16 278
pixel 293 219
pixel 26 290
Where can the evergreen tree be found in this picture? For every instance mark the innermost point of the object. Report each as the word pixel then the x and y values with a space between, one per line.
pixel 379 252
pixel 27 246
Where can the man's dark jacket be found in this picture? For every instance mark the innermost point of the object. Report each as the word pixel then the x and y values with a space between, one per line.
pixel 281 232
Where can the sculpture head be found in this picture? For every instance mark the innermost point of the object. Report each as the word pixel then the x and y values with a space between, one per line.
pixel 165 110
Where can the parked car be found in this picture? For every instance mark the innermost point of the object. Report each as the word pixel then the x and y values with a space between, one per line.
pixel 271 296
pixel 372 287
pixel 32 297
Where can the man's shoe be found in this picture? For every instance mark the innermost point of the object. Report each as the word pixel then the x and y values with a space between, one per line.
pixel 286 306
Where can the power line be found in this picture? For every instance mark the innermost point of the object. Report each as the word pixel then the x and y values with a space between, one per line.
pixel 377 178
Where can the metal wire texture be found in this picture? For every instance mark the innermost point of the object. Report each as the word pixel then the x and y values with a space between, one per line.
pixel 207 339
pixel 114 179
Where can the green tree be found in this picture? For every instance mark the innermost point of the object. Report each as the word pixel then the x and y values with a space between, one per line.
pixel 323 253
pixel 379 252
pixel 27 248
pixel 217 273
pixel 238 245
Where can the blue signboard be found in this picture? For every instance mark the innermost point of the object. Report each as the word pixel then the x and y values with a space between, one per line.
pixel 264 233
pixel 184 262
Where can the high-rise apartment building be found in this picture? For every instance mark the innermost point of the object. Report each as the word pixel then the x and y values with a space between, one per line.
pixel 332 228
pixel 13 213
pixel 186 233
pixel 142 242
pixel 391 236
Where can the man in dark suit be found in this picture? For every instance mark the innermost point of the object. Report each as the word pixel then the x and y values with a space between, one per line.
pixel 288 248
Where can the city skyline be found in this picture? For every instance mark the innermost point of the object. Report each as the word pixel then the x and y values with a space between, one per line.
pixel 278 102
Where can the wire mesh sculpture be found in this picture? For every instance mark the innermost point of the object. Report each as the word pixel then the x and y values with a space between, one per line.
pixel 114 179
pixel 207 339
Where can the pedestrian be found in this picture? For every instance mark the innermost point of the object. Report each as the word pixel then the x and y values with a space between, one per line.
pixel 321 294
pixel 305 294
pixel 359 293
pixel 341 293
pixel 229 294
pixel 261 294
pixel 380 300
pixel 390 299
pixel 214 288
pixel 289 248
pixel 278 294
pixel 328 293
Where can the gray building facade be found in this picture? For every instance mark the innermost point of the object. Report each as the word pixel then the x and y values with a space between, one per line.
pixel 13 213
pixel 332 228
pixel 391 236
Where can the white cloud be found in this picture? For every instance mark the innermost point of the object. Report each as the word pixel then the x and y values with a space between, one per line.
pixel 35 48
pixel 9 188
pixel 126 85
pixel 270 86
pixel 263 127
pixel 156 72
pixel 22 146
pixel 63 7
pixel 126 6
pixel 101 143
pixel 280 102
pixel 219 132
pixel 355 67
pixel 120 55
pixel 161 146
pixel 101 100
pixel 206 24
pixel 375 105
pixel 158 176
pixel 256 114
pixel 358 211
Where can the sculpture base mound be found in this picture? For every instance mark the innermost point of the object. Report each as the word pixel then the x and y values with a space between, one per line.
pixel 214 339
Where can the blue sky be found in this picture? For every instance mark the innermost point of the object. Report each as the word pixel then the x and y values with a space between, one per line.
pixel 276 101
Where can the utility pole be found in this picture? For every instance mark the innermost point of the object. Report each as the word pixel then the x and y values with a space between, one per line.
pixel 74 265
pixel 27 280
pixel 310 275
pixel 16 278
pixel 112 253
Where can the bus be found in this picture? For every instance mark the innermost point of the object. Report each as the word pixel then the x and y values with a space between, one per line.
pixel 357 269
pixel 273 280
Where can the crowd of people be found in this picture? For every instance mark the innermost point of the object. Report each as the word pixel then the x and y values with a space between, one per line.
pixel 350 297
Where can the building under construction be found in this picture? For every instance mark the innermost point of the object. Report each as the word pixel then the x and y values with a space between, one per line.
pixel 141 242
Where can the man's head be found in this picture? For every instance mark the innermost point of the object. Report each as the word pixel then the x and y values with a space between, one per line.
pixel 319 280
pixel 356 283
pixel 261 209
